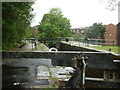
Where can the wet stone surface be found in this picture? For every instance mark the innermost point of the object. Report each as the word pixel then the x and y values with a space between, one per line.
pixel 31 73
pixel 42 72
pixel 22 73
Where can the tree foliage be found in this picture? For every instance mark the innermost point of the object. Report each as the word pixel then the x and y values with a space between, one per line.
pixel 55 25
pixel 16 19
pixel 77 36
pixel 113 4
pixel 97 30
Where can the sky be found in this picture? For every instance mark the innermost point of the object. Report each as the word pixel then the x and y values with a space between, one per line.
pixel 81 13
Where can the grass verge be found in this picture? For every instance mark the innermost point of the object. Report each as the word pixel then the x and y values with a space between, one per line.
pixel 114 49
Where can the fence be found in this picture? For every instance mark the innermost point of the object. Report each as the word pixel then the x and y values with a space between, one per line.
pixel 87 41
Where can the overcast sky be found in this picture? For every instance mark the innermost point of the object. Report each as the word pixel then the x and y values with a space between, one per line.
pixel 81 13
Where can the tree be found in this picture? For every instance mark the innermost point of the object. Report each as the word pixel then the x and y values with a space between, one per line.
pixel 112 4
pixel 16 19
pixel 97 30
pixel 54 25
pixel 77 36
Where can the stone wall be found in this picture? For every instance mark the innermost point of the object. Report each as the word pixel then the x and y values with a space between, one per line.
pixel 67 47
pixel 64 58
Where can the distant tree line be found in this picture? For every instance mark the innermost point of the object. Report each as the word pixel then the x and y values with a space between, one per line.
pixel 97 30
pixel 16 19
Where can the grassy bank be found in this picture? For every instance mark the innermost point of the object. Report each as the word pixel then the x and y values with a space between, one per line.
pixel 114 49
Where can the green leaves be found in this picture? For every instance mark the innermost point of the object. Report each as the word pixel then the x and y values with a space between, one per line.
pixel 97 30
pixel 16 17
pixel 54 25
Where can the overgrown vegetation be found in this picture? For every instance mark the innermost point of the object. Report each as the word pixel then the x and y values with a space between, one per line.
pixel 16 19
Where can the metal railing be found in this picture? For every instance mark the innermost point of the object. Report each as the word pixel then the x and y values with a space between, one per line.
pixel 93 42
